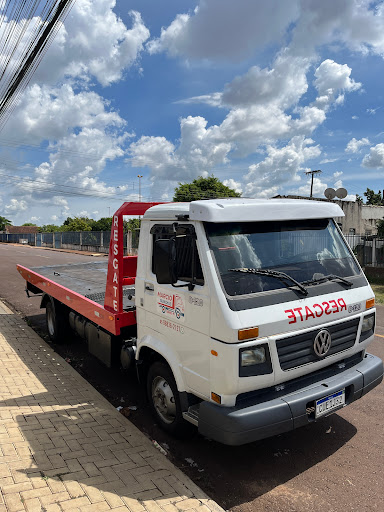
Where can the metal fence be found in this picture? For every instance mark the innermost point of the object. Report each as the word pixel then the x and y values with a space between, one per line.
pixel 93 241
pixel 369 250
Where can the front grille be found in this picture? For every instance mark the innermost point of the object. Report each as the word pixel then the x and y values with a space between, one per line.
pixel 298 350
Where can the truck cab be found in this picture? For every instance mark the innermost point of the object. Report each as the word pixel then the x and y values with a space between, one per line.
pixel 253 316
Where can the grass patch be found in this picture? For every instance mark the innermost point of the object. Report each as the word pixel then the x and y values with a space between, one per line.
pixel 378 290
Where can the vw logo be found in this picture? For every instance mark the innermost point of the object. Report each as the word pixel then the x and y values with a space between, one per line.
pixel 322 343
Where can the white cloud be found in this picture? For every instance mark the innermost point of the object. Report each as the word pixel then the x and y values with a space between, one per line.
pixel 223 29
pixel 318 188
pixel 93 43
pixel 328 160
pixel 358 24
pixel 354 145
pixel 283 85
pixel 15 205
pixel 331 78
pixel 375 158
pixel 226 30
pixel 50 113
pixel 281 166
pixel 234 185
pixel 198 152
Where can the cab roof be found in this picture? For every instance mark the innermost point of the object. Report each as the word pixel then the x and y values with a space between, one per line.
pixel 247 210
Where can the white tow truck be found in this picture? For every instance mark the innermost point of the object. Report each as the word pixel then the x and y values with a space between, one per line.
pixel 248 318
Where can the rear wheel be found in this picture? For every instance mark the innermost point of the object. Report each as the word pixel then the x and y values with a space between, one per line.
pixel 56 321
pixel 165 401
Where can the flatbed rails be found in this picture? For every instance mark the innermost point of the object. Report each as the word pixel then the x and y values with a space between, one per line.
pixel 102 292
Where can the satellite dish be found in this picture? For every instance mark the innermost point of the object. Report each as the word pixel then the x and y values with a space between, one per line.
pixel 330 193
pixel 341 193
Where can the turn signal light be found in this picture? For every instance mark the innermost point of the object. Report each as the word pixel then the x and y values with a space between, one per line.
pixel 248 334
pixel 370 303
pixel 216 398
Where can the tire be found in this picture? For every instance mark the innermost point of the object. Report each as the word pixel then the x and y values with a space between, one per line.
pixel 165 401
pixel 56 322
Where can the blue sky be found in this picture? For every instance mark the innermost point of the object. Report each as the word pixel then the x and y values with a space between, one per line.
pixel 255 92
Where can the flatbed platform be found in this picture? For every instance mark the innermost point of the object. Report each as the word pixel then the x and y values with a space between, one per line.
pixel 87 279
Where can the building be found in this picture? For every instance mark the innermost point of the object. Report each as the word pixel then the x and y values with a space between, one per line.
pixel 21 230
pixel 360 219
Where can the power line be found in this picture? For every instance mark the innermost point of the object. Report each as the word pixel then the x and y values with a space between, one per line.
pixel 20 55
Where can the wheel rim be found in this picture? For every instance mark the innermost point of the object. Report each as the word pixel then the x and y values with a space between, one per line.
pixel 50 322
pixel 163 400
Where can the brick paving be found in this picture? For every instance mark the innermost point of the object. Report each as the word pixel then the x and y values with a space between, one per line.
pixel 63 447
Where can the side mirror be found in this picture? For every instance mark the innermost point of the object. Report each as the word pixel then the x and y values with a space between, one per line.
pixel 164 259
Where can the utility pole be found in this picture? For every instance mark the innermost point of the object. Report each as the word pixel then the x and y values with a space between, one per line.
pixel 139 176
pixel 312 173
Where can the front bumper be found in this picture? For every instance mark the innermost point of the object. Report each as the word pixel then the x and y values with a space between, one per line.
pixel 255 420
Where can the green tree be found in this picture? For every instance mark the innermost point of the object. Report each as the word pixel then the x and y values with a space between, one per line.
pixel 29 224
pixel 372 197
pixel 131 224
pixel 50 228
pixel 380 228
pixel 359 199
pixel 78 224
pixel 103 224
pixel 4 222
pixel 203 188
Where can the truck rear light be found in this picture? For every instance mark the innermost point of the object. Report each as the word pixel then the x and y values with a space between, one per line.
pixel 370 303
pixel 248 334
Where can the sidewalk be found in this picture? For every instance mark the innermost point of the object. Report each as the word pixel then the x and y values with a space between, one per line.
pixel 63 447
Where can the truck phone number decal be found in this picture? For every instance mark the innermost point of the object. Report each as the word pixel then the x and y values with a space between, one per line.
pixel 171 304
pixel 303 314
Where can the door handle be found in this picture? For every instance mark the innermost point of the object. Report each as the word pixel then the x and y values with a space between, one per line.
pixel 149 287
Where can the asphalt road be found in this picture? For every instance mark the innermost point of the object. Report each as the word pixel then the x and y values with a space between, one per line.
pixel 333 465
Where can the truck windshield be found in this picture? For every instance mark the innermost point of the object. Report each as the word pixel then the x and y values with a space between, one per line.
pixel 305 250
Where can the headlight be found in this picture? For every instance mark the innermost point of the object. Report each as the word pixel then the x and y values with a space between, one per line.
pixel 252 356
pixel 254 361
pixel 367 327
pixel 368 323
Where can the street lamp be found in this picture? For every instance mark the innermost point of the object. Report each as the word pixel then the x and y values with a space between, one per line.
pixel 139 176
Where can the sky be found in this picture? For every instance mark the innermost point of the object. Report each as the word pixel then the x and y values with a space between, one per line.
pixel 254 92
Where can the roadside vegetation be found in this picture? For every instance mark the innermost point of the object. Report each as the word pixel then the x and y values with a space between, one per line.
pixel 378 290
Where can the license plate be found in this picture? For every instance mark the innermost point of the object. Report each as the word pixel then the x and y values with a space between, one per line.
pixel 330 403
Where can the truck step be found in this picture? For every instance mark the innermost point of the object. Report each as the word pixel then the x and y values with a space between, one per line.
pixel 192 415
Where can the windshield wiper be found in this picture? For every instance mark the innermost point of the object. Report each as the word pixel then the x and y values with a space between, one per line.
pixel 272 273
pixel 330 277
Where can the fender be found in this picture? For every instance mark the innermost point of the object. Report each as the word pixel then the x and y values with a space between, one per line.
pixel 169 355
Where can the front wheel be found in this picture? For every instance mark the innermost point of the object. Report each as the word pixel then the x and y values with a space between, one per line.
pixel 165 401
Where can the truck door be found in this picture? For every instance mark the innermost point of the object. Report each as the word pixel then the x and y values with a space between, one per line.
pixel 180 313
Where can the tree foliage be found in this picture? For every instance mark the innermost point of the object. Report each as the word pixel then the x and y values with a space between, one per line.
pixel 50 228
pixel 29 224
pixel 380 228
pixel 77 224
pixel 87 224
pixel 373 198
pixel 103 224
pixel 203 188
pixel 4 222
pixel 131 224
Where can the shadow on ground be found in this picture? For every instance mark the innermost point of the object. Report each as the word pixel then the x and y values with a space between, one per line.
pixel 230 475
